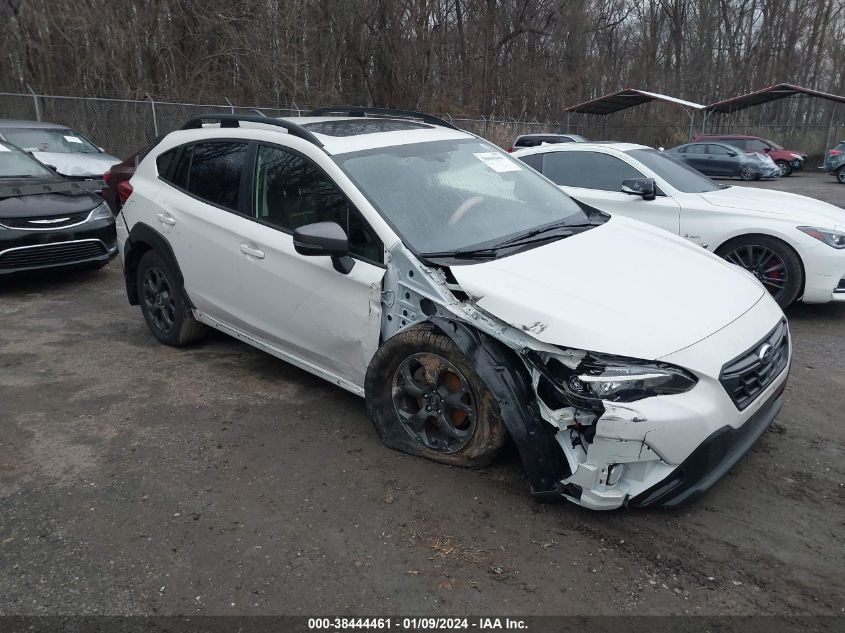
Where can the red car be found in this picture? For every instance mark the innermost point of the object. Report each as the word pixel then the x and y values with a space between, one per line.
pixel 116 192
pixel 787 159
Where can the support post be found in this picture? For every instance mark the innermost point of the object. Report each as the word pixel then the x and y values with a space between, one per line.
pixel 827 145
pixel 153 110
pixel 231 106
pixel 35 103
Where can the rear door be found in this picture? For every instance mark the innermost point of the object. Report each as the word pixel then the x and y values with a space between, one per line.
pixel 325 319
pixel 202 216
pixel 596 179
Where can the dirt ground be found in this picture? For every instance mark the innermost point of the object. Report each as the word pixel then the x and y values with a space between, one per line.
pixel 141 479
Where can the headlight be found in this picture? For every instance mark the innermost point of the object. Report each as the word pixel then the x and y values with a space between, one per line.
pixel 836 239
pixel 102 212
pixel 620 379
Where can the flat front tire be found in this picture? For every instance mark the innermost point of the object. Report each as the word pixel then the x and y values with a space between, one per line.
pixel 163 303
pixel 425 398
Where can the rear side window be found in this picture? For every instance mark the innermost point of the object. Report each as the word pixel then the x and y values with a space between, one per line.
pixel 535 161
pixel 718 150
pixel 699 148
pixel 589 170
pixel 526 142
pixel 756 146
pixel 215 172
pixel 163 162
pixel 179 174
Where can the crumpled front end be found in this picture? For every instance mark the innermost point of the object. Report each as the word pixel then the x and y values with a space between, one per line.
pixel 670 449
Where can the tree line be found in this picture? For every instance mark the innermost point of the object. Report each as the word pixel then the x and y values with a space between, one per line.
pixel 511 58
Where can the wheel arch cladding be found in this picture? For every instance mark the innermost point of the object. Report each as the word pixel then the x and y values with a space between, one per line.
pixel 143 238
pixel 508 380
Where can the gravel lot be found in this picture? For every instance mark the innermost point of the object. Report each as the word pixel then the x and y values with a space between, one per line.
pixel 136 478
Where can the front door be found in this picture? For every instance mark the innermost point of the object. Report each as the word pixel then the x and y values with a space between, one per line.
pixel 302 305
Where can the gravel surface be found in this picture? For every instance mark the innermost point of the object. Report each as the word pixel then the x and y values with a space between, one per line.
pixel 216 479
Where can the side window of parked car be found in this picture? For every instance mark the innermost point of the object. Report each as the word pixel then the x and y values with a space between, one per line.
pixel 718 150
pixel 590 170
pixel 291 191
pixel 757 146
pixel 535 161
pixel 698 148
pixel 163 161
pixel 215 173
pixel 740 144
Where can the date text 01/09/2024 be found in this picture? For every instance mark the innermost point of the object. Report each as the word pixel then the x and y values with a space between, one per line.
pixel 416 624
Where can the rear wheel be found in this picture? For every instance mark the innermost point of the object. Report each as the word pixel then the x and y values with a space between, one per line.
pixel 840 175
pixel 773 262
pixel 163 303
pixel 785 168
pixel 425 398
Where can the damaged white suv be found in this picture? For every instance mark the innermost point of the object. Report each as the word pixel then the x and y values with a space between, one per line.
pixel 463 295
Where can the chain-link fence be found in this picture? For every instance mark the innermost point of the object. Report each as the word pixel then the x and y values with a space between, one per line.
pixel 123 126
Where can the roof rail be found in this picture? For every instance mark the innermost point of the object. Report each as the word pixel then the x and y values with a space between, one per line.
pixel 354 111
pixel 234 120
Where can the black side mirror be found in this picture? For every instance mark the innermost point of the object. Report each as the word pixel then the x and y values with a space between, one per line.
pixel 731 153
pixel 644 187
pixel 325 239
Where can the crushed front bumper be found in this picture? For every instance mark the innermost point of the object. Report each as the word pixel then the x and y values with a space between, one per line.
pixel 711 461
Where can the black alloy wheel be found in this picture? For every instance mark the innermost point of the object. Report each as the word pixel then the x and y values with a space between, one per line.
pixel 434 402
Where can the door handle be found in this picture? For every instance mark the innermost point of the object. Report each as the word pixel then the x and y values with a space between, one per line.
pixel 246 249
pixel 166 218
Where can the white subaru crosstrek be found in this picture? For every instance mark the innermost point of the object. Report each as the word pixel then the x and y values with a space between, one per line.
pixel 463 295
pixel 793 244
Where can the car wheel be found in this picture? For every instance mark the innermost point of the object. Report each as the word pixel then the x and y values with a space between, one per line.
pixel 747 172
pixel 840 175
pixel 163 303
pixel 785 168
pixel 773 262
pixel 425 398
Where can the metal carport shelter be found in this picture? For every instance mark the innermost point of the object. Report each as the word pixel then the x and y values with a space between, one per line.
pixel 628 98
pixel 767 95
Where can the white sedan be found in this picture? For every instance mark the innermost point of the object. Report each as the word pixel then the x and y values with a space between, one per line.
pixel 793 244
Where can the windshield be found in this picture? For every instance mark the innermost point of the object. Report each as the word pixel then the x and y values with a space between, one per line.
pixel 675 172
pixel 49 140
pixel 453 195
pixel 15 164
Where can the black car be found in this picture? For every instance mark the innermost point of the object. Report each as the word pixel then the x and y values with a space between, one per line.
pixel 48 221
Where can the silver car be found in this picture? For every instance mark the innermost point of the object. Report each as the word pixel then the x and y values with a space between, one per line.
pixel 59 147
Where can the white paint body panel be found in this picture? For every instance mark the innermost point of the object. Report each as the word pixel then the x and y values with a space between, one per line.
pixel 622 288
pixel 710 219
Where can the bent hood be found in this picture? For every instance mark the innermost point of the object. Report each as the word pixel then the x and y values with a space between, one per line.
pixel 806 210
pixel 76 165
pixel 622 288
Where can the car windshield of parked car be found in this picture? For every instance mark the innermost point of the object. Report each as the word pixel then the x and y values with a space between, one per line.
pixel 678 174
pixel 16 164
pixel 49 140
pixel 444 196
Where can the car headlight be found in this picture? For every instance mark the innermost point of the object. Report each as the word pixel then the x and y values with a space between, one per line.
pixel 101 212
pixel 619 379
pixel 836 239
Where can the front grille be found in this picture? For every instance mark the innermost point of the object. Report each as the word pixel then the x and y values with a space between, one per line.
pixel 45 223
pixel 51 254
pixel 745 377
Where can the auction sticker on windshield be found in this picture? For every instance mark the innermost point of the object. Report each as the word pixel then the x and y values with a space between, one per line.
pixel 72 139
pixel 496 162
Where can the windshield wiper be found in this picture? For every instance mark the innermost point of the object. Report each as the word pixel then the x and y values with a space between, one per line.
pixel 465 253
pixel 559 229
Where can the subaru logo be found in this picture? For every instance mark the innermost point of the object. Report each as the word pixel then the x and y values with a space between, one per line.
pixel 766 353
